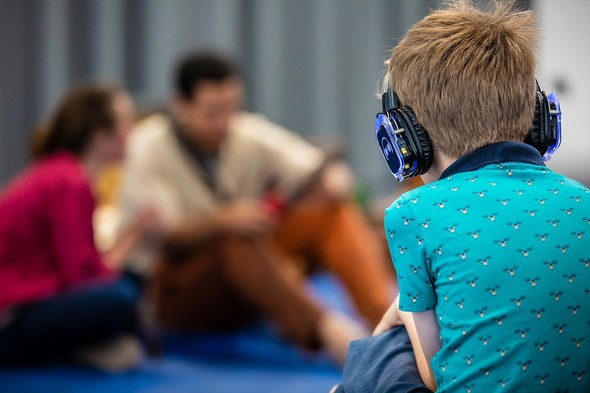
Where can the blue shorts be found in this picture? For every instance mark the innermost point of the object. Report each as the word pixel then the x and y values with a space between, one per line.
pixel 382 364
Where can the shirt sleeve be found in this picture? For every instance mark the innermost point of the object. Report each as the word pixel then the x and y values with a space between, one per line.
pixel 145 182
pixel 292 159
pixel 144 186
pixel 407 250
pixel 71 207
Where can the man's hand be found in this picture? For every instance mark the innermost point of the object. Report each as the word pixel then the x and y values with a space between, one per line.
pixel 332 182
pixel 390 319
pixel 246 218
pixel 148 222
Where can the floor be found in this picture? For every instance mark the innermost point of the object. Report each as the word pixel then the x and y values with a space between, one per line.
pixel 252 360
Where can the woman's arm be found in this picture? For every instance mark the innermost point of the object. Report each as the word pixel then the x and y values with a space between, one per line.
pixel 146 223
pixel 69 212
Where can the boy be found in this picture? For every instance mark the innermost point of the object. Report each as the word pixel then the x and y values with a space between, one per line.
pixel 492 254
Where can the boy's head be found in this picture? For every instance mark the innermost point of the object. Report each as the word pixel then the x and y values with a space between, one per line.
pixel 469 75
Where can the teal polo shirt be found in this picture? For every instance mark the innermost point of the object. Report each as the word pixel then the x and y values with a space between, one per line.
pixel 499 247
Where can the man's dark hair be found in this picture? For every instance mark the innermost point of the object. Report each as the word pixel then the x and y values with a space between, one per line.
pixel 199 67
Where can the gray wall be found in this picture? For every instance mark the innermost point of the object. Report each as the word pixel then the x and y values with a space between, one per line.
pixel 312 65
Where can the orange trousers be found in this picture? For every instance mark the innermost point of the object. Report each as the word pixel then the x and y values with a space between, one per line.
pixel 233 280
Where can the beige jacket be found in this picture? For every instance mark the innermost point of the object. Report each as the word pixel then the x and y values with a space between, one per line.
pixel 160 173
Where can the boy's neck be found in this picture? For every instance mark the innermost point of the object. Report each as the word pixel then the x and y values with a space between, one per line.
pixel 440 162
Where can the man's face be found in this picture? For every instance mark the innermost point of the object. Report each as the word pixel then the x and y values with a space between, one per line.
pixel 205 117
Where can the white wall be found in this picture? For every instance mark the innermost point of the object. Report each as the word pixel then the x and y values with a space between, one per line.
pixel 564 67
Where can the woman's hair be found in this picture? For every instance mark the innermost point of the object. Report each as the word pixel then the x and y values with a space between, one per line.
pixel 81 113
pixel 469 74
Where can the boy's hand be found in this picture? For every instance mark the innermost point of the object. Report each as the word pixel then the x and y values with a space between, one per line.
pixel 390 319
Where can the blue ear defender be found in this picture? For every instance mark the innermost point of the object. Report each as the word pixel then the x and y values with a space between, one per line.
pixel 404 143
pixel 395 151
pixel 407 149
pixel 545 133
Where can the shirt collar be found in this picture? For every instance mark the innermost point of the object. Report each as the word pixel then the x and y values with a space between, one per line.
pixel 495 153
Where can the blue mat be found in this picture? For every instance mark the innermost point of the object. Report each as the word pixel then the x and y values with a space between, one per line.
pixel 251 360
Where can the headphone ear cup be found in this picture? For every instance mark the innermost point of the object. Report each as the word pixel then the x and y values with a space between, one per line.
pixel 426 148
pixel 421 140
pixel 537 136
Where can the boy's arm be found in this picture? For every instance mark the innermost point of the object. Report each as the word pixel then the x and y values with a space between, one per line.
pixel 423 330
pixel 409 246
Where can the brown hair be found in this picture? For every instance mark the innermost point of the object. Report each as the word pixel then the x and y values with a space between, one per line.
pixel 82 112
pixel 469 74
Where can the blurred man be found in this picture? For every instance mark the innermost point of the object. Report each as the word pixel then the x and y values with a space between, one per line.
pixel 244 202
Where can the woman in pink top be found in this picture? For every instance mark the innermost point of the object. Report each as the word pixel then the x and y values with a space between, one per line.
pixel 59 298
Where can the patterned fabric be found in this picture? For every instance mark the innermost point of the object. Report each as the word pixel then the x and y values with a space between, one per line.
pixel 502 254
